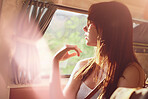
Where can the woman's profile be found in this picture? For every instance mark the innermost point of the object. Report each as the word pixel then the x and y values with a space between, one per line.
pixel 110 29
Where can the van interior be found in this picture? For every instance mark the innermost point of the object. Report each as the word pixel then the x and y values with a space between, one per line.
pixel 25 74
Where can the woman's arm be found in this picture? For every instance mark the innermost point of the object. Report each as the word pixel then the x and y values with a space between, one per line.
pixel 55 84
pixel 73 84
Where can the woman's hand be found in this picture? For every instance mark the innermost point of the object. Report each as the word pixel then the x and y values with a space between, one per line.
pixel 63 54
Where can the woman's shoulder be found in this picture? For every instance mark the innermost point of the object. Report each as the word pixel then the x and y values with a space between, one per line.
pixel 135 67
pixel 83 62
pixel 80 64
pixel 134 75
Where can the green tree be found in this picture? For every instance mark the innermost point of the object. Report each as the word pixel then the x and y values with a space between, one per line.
pixel 71 34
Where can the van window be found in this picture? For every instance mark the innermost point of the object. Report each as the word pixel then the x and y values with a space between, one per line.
pixel 67 28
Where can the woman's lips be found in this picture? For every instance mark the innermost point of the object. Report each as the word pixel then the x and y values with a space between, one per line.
pixel 86 35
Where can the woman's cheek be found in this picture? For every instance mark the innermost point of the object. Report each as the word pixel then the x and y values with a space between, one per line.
pixel 91 41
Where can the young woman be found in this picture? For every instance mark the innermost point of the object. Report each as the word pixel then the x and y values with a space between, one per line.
pixel 110 30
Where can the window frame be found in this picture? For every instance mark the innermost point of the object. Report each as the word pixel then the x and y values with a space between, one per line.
pixel 70 9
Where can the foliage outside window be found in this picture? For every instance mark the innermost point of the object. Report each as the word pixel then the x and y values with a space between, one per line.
pixel 67 28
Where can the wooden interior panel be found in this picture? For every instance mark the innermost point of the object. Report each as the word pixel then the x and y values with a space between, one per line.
pixel 29 93
pixel 34 92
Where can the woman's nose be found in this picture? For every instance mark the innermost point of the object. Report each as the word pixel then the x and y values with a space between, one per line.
pixel 85 29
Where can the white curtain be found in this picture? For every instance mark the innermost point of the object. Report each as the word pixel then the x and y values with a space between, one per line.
pixel 29 28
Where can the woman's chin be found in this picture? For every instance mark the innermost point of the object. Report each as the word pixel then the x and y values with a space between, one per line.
pixel 91 44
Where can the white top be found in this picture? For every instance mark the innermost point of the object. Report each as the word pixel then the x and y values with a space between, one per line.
pixel 85 90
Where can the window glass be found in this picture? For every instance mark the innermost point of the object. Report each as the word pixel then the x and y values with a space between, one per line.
pixel 67 28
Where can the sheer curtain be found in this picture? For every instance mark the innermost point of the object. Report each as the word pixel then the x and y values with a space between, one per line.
pixel 30 27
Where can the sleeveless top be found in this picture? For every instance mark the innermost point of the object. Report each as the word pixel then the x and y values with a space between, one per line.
pixel 84 91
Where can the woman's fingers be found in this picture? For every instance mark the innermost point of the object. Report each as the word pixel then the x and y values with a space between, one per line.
pixel 74 47
pixel 71 55
pixel 63 53
pixel 67 55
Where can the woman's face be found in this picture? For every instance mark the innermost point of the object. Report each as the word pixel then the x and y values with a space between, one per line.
pixel 90 34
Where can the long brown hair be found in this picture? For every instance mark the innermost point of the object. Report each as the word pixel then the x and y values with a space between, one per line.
pixel 115 42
